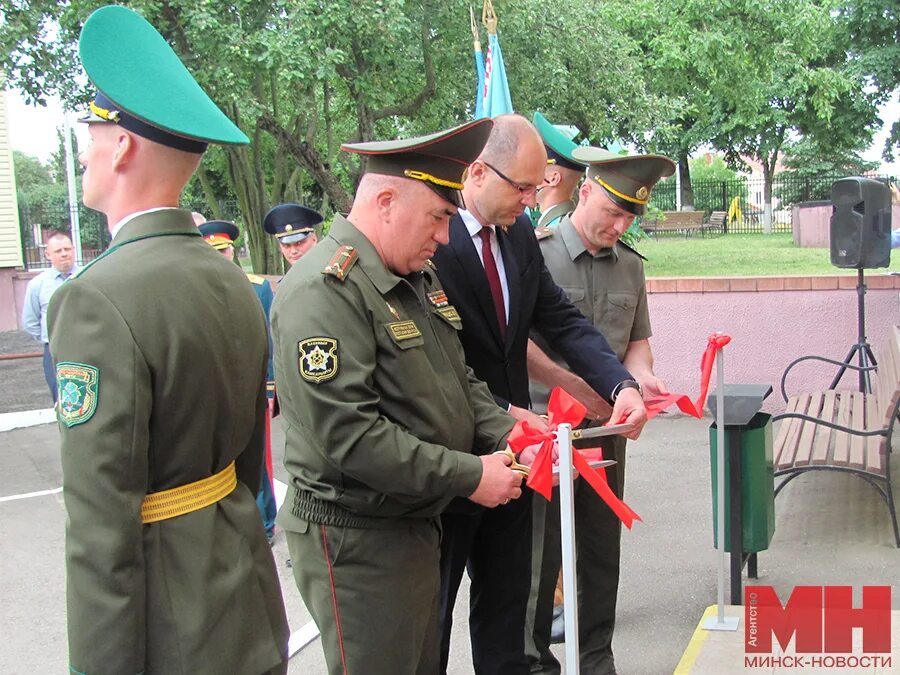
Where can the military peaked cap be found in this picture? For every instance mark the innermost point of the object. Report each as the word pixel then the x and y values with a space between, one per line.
pixel 220 234
pixel 291 222
pixel 439 160
pixel 627 179
pixel 144 87
pixel 559 146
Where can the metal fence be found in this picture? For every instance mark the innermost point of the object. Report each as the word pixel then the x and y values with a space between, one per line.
pixel 744 198
pixel 36 221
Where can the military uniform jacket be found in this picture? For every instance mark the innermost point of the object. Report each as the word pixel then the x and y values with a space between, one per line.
pixel 161 350
pixel 381 412
pixel 609 289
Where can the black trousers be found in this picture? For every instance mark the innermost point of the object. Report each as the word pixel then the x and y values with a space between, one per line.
pixel 494 545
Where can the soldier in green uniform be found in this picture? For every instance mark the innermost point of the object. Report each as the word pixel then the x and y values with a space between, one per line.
pixel 381 411
pixel 604 278
pixel 160 347
pixel 561 177
pixel 221 235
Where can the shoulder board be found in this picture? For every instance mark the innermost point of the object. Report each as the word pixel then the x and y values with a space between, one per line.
pixel 339 265
pixel 259 281
pixel 542 232
pixel 624 245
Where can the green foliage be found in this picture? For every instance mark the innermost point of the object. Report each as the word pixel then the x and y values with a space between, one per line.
pixel 303 76
pixel 812 169
pixel 872 30
pixel 44 199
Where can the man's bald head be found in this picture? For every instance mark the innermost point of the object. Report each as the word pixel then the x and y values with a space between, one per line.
pixel 503 181
pixel 510 134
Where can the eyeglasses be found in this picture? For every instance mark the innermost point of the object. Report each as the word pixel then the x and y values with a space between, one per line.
pixel 524 190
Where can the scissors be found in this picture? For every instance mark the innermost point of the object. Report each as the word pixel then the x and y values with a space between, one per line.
pixel 513 463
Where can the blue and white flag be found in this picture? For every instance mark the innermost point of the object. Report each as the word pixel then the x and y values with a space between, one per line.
pixel 495 99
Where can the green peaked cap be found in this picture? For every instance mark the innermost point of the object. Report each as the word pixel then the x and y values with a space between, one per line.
pixel 138 73
pixel 559 146
pixel 627 179
pixel 439 159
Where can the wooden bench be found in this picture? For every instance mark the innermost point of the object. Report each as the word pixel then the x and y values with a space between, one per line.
pixel 717 222
pixel 682 222
pixel 845 431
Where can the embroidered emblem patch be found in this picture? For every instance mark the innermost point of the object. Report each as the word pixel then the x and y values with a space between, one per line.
pixel 438 299
pixel 404 330
pixel 78 386
pixel 450 314
pixel 318 359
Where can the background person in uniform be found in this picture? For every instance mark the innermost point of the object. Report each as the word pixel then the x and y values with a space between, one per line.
pixel 493 273
pixel 161 388
pixel 221 235
pixel 61 256
pixel 604 278
pixel 561 176
pixel 294 227
pixel 384 421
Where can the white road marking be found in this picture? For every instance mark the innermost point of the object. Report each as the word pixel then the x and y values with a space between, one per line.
pixel 26 495
pixel 26 418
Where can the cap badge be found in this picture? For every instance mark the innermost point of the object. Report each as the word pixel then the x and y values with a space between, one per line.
pixel 642 192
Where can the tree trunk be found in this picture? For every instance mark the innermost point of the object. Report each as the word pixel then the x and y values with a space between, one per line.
pixel 687 190
pixel 767 197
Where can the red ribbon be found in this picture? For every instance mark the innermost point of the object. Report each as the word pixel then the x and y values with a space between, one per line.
pixel 656 404
pixel 564 409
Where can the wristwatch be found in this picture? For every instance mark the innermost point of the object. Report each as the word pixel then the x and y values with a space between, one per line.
pixel 625 384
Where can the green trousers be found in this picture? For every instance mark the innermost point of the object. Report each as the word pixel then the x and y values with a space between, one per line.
pixel 597 536
pixel 373 594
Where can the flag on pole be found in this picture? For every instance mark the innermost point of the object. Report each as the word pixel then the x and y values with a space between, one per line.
pixel 479 67
pixel 494 94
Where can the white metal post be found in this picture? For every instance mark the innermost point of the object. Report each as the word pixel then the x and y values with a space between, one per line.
pixel 720 623
pixel 567 531
pixel 74 223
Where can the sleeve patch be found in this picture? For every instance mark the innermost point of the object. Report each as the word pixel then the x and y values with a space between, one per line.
pixel 78 387
pixel 318 359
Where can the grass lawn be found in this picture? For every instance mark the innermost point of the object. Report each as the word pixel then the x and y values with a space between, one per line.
pixel 739 255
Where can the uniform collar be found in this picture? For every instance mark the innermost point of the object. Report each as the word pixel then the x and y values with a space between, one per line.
pixel 368 259
pixel 575 245
pixel 556 211
pixel 163 220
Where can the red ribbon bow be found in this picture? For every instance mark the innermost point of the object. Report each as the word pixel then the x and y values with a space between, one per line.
pixel 564 409
pixel 657 404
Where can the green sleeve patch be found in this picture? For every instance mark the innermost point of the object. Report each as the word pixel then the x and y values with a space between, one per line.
pixel 318 359
pixel 78 386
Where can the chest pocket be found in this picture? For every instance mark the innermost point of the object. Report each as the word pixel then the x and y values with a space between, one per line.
pixel 576 296
pixel 405 334
pixel 618 319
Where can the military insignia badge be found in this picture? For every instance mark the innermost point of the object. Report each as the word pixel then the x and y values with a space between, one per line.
pixel 78 386
pixel 642 192
pixel 318 359
pixel 438 298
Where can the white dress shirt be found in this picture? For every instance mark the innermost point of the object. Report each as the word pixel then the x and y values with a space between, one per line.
pixel 474 228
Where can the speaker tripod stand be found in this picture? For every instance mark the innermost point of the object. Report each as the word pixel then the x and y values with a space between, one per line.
pixel 866 358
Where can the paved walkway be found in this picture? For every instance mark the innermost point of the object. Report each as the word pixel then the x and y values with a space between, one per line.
pixel 831 529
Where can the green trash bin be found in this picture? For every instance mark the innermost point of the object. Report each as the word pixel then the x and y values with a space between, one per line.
pixel 757 482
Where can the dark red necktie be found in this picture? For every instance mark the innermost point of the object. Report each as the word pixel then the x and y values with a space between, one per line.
pixel 493 277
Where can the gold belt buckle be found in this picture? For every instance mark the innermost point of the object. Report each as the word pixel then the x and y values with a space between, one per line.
pixel 514 465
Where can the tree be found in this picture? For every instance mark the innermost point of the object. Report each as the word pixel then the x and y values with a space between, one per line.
pixel 872 31
pixel 812 169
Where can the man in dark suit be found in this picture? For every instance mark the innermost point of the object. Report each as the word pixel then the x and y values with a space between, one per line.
pixel 493 273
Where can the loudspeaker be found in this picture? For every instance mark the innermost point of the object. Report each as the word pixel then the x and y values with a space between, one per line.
pixel 860 223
